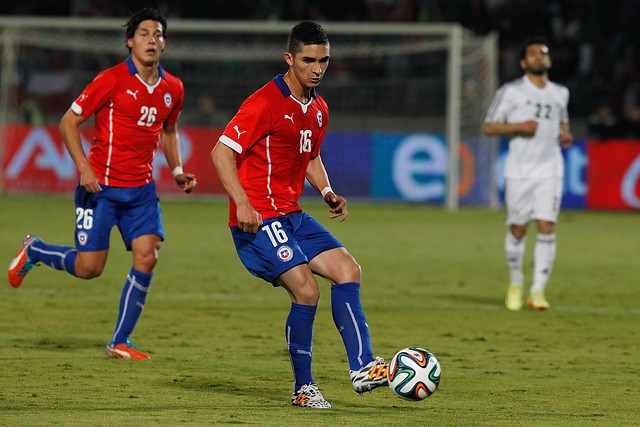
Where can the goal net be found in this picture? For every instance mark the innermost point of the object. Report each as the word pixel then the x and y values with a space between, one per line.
pixel 387 79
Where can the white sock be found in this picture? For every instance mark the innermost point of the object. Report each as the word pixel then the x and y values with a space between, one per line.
pixel 543 257
pixel 514 250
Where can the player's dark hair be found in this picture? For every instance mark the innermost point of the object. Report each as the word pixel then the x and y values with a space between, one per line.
pixel 528 42
pixel 144 15
pixel 304 34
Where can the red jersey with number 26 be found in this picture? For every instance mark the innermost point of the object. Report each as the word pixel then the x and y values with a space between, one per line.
pixel 275 136
pixel 129 115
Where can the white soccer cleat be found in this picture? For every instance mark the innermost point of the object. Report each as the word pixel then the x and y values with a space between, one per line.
pixel 373 375
pixel 309 396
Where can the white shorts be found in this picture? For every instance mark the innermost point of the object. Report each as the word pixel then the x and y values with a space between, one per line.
pixel 528 199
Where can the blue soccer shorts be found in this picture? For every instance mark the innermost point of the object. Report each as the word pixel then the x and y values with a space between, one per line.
pixel 136 212
pixel 281 244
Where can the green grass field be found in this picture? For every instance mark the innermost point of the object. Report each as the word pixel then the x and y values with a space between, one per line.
pixel 216 334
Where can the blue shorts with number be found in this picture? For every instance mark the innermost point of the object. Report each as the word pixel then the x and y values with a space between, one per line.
pixel 281 244
pixel 136 212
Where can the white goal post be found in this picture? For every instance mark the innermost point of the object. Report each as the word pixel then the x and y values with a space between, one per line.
pixel 387 77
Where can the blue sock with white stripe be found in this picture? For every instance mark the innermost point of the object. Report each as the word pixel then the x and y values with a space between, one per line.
pixel 58 257
pixel 134 295
pixel 351 323
pixel 299 334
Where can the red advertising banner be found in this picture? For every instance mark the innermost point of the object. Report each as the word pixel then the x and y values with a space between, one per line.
pixel 35 160
pixel 613 175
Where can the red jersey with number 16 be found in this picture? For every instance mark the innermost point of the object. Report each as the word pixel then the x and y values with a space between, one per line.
pixel 275 136
pixel 129 115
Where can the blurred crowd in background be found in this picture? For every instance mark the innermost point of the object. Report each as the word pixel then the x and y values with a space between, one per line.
pixel 594 43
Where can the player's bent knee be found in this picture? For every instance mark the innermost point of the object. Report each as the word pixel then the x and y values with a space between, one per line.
pixel 90 264
pixel 356 271
pixel 518 231
pixel 308 298
pixel 145 264
pixel 88 272
pixel 546 227
pixel 308 294
pixel 350 272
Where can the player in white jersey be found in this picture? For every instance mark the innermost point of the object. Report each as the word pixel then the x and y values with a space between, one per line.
pixel 532 111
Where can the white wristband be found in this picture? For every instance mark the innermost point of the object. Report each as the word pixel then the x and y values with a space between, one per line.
pixel 325 190
pixel 177 171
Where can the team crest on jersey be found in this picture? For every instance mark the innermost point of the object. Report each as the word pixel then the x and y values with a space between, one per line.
pixel 83 238
pixel 319 118
pixel 285 253
pixel 167 99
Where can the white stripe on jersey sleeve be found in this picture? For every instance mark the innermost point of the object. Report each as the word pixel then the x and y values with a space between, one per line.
pixel 76 109
pixel 231 144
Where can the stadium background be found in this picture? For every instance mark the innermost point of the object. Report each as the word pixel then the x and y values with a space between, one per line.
pixel 594 51
pixel 433 279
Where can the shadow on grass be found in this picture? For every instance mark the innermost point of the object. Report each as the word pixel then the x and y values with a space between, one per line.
pixel 57 343
pixel 472 300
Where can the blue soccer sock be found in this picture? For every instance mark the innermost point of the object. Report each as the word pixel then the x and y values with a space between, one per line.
pixel 134 295
pixel 351 323
pixel 299 334
pixel 58 257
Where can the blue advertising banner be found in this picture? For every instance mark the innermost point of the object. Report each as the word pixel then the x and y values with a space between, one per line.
pixel 477 172
pixel 347 159
pixel 413 167
pixel 410 167
pixel 575 176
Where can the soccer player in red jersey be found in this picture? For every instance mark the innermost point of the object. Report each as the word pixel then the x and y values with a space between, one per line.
pixel 136 105
pixel 263 157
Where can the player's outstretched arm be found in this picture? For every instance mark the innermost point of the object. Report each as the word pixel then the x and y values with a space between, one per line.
pixel 171 146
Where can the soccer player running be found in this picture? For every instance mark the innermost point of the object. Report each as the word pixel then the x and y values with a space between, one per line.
pixel 533 111
pixel 262 158
pixel 136 104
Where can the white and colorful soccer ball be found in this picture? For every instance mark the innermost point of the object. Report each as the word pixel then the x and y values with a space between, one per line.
pixel 414 373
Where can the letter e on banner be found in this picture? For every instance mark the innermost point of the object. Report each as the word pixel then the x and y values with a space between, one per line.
pixel 420 167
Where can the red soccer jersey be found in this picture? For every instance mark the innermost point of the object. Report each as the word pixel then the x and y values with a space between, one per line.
pixel 274 136
pixel 129 115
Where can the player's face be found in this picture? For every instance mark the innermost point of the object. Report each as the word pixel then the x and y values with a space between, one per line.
pixel 310 64
pixel 148 42
pixel 536 59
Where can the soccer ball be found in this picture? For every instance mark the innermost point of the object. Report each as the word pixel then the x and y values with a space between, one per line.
pixel 414 373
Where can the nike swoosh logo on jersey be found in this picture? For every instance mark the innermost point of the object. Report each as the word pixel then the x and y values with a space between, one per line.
pixel 132 93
